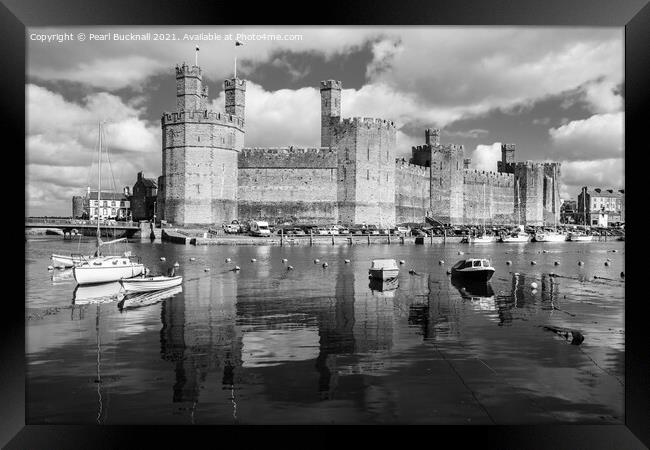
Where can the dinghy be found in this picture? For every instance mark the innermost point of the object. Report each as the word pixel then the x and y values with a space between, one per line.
pixel 383 269
pixel 147 284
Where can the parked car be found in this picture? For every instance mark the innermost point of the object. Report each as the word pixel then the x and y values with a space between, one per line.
pixel 402 231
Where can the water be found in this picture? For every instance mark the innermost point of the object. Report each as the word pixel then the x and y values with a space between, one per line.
pixel 266 345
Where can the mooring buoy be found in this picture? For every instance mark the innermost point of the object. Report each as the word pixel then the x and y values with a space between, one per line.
pixel 50 268
pixel 253 260
pixel 607 263
pixel 347 261
pixel 162 258
pixel 580 263
pixel 557 263
pixel 401 261
pixel 290 268
pixel 207 269
pixel 236 268
pixel 316 261
pixel 533 285
pixel 228 259
pixel 441 262
pixel 192 259
pixel 532 263
pixel 176 264
pixel 284 260
pixel 325 265
pixel 508 262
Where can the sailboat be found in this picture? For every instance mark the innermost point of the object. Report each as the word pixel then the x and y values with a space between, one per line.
pixel 104 269
pixel 519 236
pixel 484 238
pixel 581 236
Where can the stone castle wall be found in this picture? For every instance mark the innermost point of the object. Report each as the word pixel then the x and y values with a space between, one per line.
pixel 497 191
pixel 297 185
pixel 412 192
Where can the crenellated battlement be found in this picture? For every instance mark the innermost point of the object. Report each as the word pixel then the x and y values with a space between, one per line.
pixel 367 122
pixel 473 176
pixel 210 117
pixel 330 84
pixel 188 71
pixel 288 157
pixel 234 83
pixel 412 169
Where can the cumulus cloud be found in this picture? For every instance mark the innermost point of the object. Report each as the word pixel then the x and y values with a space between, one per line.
pixel 604 173
pixel 485 157
pixel 597 137
pixel 61 146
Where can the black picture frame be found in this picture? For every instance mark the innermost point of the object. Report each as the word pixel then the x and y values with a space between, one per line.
pixel 634 15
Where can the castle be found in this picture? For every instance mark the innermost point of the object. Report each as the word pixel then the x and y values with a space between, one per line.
pixel 209 177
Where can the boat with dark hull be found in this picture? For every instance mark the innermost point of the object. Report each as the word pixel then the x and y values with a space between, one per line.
pixel 473 269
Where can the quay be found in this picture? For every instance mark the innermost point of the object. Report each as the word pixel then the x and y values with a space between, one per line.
pixel 85 227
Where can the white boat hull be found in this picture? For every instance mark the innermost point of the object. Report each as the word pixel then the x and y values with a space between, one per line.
pixel 482 240
pixel 515 239
pixel 150 283
pixel 106 270
pixel 550 237
pixel 580 238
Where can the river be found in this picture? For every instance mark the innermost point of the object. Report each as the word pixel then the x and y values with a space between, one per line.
pixel 314 345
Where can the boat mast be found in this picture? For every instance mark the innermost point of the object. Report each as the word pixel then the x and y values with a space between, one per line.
pixel 99 186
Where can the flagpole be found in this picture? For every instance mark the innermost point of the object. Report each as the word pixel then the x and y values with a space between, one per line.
pixel 235 64
pixel 196 56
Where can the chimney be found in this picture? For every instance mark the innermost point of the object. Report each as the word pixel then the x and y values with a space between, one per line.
pixel 126 191
pixel 140 176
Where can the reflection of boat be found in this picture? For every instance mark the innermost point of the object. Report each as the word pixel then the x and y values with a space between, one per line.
pixel 148 284
pixel 139 299
pixel 97 293
pixel 62 275
pixel 383 269
pixel 472 289
pixel 383 285
pixel 473 269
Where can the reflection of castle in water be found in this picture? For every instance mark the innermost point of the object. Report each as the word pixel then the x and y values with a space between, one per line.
pixel 520 302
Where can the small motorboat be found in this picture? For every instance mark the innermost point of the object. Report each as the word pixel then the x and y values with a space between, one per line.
pixel 483 239
pixel 549 236
pixel 473 269
pixel 148 284
pixel 383 269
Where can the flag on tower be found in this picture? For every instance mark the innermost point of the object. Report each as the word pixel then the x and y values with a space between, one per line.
pixel 197 48
pixel 237 43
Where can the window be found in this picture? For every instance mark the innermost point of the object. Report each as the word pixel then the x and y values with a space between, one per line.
pixel 477 263
pixel 112 203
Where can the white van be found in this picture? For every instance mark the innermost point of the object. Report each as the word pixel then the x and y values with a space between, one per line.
pixel 259 228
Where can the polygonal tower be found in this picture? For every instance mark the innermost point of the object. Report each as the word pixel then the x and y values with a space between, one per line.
pixel 198 185
pixel 330 106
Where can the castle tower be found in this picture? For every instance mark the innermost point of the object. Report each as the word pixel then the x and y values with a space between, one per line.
pixel 507 153
pixel 189 88
pixel 235 90
pixel 330 107
pixel 432 136
pixel 198 185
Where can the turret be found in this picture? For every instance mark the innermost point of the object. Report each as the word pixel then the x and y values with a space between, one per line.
pixel 235 90
pixel 189 88
pixel 507 153
pixel 330 101
pixel 432 136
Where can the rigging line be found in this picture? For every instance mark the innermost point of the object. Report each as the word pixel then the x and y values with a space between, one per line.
pixel 110 166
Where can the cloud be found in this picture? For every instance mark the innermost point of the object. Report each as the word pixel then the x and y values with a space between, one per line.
pixel 61 146
pixel 604 173
pixel 485 157
pixel 597 137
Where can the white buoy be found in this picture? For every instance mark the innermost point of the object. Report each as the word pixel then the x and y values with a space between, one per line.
pixel 508 262
pixel 236 268
pixel 580 263
pixel 162 258
pixel 284 260
pixel 50 268
pixel 253 260
pixel 460 253
pixel 207 269
pixel 325 265
pixel 533 285
pixel 534 291
pixel 532 263
pixel 516 274
pixel 347 261
pixel 228 259
pixel 441 262
pixel 192 259
pixel 176 264
pixel 401 261
pixel 290 268
pixel 607 263
pixel 316 261
pixel 544 251
pixel 557 263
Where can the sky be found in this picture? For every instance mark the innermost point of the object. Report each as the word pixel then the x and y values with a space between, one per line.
pixel 557 93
